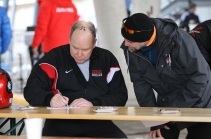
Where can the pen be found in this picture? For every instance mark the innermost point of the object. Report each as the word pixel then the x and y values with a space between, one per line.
pixel 169 61
pixel 60 94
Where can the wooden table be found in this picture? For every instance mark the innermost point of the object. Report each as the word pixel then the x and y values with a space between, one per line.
pixel 123 113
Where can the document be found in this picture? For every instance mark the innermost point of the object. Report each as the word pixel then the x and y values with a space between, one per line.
pixel 64 107
pixel 153 123
pixel 27 108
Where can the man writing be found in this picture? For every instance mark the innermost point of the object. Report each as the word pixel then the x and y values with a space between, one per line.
pixel 86 76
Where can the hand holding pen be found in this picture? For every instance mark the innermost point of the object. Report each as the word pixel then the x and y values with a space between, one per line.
pixel 63 96
pixel 58 100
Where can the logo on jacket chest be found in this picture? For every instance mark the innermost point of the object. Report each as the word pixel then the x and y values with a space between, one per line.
pixel 97 73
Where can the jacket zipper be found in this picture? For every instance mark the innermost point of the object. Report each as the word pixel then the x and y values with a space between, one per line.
pixel 150 62
pixel 145 60
pixel 157 59
pixel 85 91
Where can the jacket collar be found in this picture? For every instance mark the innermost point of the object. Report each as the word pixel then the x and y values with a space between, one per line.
pixel 166 29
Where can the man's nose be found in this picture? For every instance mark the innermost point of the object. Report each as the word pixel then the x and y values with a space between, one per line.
pixel 79 53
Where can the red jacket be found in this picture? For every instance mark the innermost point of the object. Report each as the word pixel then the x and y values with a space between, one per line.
pixel 54 21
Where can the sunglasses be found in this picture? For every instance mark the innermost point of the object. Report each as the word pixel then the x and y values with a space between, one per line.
pixel 131 31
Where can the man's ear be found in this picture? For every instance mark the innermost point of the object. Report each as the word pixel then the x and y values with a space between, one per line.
pixel 95 41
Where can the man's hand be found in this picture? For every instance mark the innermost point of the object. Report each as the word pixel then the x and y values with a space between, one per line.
pixel 157 133
pixel 59 101
pixel 35 51
pixel 192 22
pixel 81 103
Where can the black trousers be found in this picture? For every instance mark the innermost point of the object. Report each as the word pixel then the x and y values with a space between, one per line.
pixel 196 131
pixel 82 128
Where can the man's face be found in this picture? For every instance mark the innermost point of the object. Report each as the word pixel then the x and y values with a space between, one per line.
pixel 81 45
pixel 192 10
pixel 134 46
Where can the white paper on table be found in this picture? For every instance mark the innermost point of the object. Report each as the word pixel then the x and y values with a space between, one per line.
pixel 153 123
pixel 64 107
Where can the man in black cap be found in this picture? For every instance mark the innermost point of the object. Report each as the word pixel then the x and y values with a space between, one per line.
pixel 162 57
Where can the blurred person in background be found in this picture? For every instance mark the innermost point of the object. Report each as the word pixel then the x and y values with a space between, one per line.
pixel 202 35
pixel 189 17
pixel 5 32
pixel 128 6
pixel 54 22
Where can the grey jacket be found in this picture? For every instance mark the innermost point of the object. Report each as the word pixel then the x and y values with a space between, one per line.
pixel 183 82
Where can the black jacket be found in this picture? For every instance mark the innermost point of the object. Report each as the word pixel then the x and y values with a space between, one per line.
pixel 183 80
pixel 58 70
pixel 202 35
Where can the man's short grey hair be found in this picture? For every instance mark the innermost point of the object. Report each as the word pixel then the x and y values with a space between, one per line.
pixel 82 25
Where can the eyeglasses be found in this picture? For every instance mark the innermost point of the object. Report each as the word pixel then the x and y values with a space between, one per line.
pixel 131 31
